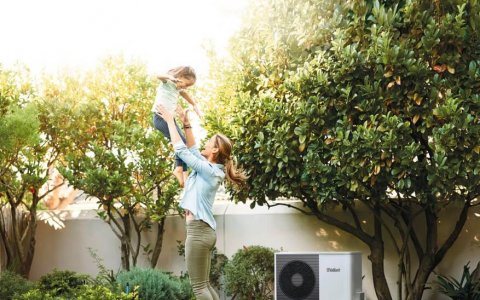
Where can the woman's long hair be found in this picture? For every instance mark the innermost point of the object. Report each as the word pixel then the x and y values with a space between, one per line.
pixel 234 175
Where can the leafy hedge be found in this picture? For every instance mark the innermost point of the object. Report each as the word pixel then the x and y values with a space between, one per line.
pixel 12 284
pixel 250 273
pixel 153 284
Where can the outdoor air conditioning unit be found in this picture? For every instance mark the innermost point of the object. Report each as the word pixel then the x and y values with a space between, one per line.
pixel 318 276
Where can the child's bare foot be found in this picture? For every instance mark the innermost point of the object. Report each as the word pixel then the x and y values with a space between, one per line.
pixel 178 172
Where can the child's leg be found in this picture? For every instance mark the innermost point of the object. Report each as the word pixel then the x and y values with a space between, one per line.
pixel 162 126
pixel 178 172
pixel 180 166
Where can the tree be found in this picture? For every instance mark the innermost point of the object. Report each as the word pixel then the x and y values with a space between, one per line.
pixel 380 110
pixel 103 120
pixel 25 156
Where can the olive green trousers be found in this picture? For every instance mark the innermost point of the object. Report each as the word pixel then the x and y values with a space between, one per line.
pixel 201 239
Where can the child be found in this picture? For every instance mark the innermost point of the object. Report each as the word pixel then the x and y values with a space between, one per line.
pixel 171 86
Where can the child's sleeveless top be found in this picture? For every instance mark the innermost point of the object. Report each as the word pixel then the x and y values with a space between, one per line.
pixel 167 95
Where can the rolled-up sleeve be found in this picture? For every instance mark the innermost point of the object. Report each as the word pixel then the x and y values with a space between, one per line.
pixel 196 152
pixel 202 166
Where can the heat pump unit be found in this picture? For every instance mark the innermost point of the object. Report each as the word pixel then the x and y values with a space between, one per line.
pixel 318 276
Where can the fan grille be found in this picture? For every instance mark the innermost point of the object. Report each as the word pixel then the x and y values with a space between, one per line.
pixel 297 277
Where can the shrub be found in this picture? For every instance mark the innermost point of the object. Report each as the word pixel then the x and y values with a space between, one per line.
pixel 11 284
pixel 94 292
pixel 467 288
pixel 152 284
pixel 35 294
pixel 105 277
pixel 186 288
pixel 250 273
pixel 84 292
pixel 62 283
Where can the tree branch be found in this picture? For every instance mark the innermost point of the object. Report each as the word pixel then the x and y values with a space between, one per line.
pixel 354 215
pixel 413 235
pixel 361 234
pixel 454 234
pixel 120 232
pixel 290 206
pixel 51 190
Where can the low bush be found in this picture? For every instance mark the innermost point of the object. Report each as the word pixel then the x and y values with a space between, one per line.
pixel 36 294
pixel 186 288
pixel 12 284
pixel 467 288
pixel 94 292
pixel 250 273
pixel 62 283
pixel 105 277
pixel 153 284
pixel 84 292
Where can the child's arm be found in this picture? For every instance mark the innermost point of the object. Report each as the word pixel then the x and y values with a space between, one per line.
pixel 189 99
pixel 165 77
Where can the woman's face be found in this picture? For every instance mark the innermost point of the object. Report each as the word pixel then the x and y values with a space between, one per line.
pixel 185 82
pixel 210 149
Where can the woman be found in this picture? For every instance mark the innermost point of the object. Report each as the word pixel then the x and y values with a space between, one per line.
pixel 209 169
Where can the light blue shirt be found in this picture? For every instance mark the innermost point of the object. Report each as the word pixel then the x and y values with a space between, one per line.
pixel 201 185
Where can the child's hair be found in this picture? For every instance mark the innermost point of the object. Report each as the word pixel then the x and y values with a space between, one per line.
pixel 235 176
pixel 183 71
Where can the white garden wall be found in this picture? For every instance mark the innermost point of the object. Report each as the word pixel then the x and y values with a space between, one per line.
pixel 237 226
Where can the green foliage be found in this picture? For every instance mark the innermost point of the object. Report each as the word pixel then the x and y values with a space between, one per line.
pixel 380 105
pixel 84 292
pixel 153 284
pixel 218 262
pixel 36 294
pixel 380 110
pixel 18 127
pixel 25 156
pixel 249 274
pixel 12 284
pixel 105 277
pixel 94 292
pixel 112 151
pixel 62 283
pixel 467 288
pixel 186 288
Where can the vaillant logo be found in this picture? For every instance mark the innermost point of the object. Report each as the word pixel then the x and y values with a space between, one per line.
pixel 333 269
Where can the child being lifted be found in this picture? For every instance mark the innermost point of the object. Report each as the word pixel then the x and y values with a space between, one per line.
pixel 172 85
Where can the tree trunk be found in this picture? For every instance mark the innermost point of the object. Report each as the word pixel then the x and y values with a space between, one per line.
pixel 158 243
pixel 32 241
pixel 424 270
pixel 435 254
pixel 125 256
pixel 125 248
pixel 3 238
pixel 379 281
pixel 377 256
pixel 18 260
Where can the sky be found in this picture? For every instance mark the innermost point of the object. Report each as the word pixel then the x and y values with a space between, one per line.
pixel 49 35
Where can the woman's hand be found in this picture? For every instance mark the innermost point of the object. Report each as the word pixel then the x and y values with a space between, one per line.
pixel 166 115
pixel 183 115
